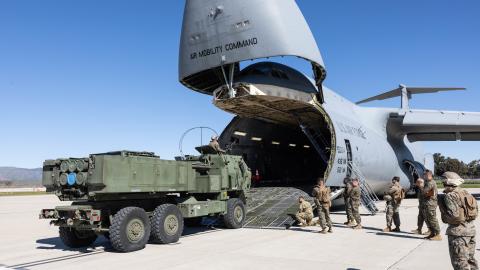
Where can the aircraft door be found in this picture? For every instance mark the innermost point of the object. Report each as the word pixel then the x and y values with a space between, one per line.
pixel 349 157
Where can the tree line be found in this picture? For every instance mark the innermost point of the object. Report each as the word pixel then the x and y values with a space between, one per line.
pixel 466 170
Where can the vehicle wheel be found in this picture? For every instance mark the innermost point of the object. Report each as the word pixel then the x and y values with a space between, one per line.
pixel 235 216
pixel 130 229
pixel 167 224
pixel 193 222
pixel 75 239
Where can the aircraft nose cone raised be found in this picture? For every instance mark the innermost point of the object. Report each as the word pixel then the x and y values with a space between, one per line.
pixel 220 33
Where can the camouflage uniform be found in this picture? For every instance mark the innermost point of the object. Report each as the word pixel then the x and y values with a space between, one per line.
pixel 461 233
pixel 429 194
pixel 421 218
pixel 392 209
pixel 216 146
pixel 304 215
pixel 323 203
pixel 354 195
pixel 348 203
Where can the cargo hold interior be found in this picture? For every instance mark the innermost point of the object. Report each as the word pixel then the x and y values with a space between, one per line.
pixel 279 154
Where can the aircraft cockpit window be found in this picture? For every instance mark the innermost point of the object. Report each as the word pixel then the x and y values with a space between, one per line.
pixel 260 70
pixel 279 74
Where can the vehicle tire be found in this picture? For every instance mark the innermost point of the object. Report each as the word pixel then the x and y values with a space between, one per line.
pixel 76 239
pixel 193 222
pixel 235 216
pixel 167 224
pixel 130 229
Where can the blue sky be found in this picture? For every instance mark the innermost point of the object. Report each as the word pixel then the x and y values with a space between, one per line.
pixel 79 77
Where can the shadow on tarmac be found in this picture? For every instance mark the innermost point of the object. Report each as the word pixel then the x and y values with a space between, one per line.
pixel 343 214
pixel 399 235
pixel 101 245
pixel 56 243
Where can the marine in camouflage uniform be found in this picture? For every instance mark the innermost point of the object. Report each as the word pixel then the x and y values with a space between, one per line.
pixel 429 194
pixel 215 145
pixel 304 215
pixel 348 204
pixel 355 195
pixel 461 233
pixel 323 203
pixel 420 219
pixel 393 205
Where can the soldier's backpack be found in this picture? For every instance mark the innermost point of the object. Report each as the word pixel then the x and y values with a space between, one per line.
pixel 469 205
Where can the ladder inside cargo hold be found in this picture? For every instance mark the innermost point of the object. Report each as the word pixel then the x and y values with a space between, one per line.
pixel 316 138
pixel 368 196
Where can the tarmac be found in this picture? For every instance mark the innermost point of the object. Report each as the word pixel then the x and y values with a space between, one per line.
pixel 29 243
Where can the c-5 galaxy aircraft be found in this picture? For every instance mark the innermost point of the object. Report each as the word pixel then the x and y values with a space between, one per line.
pixel 289 127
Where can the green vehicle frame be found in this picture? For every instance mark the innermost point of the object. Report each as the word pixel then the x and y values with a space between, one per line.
pixel 133 197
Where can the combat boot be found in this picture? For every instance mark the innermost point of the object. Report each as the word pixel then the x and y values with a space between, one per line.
pixel 324 231
pixel 352 223
pixel 330 229
pixel 437 237
pixel 417 231
pixel 387 229
pixel 429 236
pixel 397 229
pixel 427 233
pixel 357 227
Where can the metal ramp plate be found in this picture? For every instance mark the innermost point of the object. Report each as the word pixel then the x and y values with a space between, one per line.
pixel 273 207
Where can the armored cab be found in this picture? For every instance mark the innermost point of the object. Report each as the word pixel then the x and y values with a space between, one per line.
pixel 133 196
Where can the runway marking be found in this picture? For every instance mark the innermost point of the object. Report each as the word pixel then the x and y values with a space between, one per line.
pixel 54 260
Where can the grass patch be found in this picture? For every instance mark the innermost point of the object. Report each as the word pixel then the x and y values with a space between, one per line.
pixel 26 193
pixel 466 184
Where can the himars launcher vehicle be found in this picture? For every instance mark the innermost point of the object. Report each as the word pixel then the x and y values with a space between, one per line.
pixel 131 197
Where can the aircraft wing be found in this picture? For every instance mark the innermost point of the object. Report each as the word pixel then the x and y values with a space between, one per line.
pixel 426 125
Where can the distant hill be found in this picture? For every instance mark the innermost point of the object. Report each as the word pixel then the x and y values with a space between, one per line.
pixel 21 176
